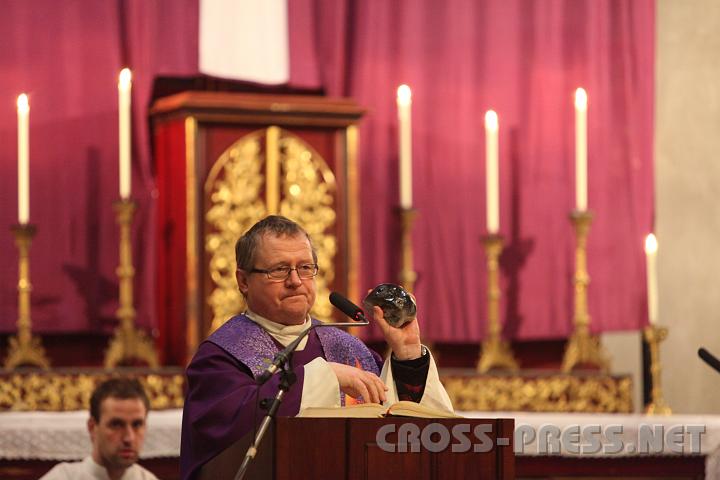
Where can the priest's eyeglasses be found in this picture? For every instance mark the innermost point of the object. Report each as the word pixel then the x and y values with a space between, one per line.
pixel 305 271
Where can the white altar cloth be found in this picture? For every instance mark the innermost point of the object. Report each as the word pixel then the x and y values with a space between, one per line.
pixel 63 435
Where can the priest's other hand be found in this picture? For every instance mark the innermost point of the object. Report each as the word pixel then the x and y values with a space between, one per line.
pixel 356 382
pixel 404 341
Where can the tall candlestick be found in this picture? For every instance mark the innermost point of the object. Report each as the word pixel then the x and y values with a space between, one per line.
pixel 404 103
pixel 124 88
pixel 23 114
pixel 581 101
pixel 651 247
pixel 491 172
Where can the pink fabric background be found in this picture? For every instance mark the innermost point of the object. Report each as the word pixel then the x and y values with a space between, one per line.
pixel 523 59
pixel 461 57
pixel 66 55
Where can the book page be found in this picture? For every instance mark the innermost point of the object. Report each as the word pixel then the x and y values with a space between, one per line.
pixel 404 408
pixel 360 410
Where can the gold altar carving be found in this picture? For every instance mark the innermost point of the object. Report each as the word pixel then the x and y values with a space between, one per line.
pixel 654 335
pixel 308 188
pixel 297 184
pixel 541 393
pixel 24 348
pixel 583 349
pixel 128 342
pixel 495 352
pixel 63 391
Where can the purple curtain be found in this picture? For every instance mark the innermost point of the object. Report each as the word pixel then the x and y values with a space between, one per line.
pixel 67 56
pixel 461 57
pixel 523 59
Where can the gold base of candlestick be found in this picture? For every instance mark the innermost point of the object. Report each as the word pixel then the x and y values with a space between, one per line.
pixel 495 353
pixel 653 335
pixel 407 275
pixel 128 343
pixel 24 348
pixel 26 353
pixel 582 349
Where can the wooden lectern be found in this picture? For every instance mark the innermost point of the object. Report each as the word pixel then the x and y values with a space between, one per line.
pixel 346 448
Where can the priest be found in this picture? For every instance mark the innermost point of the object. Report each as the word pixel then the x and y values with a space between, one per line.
pixel 276 269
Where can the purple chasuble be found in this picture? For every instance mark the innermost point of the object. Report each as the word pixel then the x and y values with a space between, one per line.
pixel 222 396
pixel 250 344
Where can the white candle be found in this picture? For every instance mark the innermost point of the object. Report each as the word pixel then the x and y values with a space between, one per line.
pixel 491 172
pixel 23 114
pixel 124 88
pixel 652 288
pixel 581 101
pixel 404 103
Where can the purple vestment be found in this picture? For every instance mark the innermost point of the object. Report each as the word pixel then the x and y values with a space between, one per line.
pixel 221 403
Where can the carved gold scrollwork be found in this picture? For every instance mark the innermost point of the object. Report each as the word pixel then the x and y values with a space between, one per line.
pixel 235 187
pixel 308 188
pixel 550 393
pixel 55 391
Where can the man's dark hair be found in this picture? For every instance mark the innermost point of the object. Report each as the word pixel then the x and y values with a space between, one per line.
pixel 122 388
pixel 279 226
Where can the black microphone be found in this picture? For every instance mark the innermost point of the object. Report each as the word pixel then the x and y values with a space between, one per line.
pixel 347 307
pixel 709 358
pixel 282 357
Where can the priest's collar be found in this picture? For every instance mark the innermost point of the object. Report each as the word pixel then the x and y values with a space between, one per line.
pixel 284 334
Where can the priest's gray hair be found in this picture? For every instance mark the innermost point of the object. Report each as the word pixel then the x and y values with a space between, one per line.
pixel 276 225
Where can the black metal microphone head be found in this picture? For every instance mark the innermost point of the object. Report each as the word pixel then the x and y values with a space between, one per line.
pixel 709 358
pixel 346 306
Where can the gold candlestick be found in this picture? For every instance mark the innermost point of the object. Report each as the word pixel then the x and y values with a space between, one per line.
pixel 653 336
pixel 407 274
pixel 25 349
pixel 496 352
pixel 128 342
pixel 582 348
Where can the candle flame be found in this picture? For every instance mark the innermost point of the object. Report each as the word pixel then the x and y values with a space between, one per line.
pixel 581 99
pixel 651 244
pixel 22 103
pixel 125 78
pixel 491 120
pixel 404 95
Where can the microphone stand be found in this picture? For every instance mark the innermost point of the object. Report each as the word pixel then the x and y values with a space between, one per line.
pixel 287 379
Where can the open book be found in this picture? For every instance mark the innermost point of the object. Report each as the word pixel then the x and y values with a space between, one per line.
pixel 375 410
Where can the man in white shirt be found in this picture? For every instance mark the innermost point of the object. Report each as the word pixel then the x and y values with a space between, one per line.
pixel 117 423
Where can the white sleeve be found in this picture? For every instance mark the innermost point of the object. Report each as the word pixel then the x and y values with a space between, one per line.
pixel 434 395
pixel 320 387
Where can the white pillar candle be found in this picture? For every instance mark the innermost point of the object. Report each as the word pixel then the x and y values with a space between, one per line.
pixel 581 102
pixel 491 172
pixel 651 247
pixel 124 89
pixel 404 104
pixel 23 114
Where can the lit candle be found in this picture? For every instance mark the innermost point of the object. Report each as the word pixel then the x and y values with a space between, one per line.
pixel 581 101
pixel 124 87
pixel 651 247
pixel 404 103
pixel 23 113
pixel 491 172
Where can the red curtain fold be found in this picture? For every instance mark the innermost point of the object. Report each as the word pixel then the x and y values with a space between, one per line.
pixel 461 57
pixel 67 56
pixel 523 59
